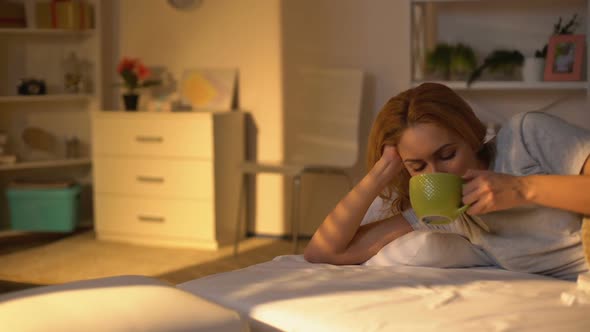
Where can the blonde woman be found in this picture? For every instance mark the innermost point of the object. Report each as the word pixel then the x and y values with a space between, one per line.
pixel 529 188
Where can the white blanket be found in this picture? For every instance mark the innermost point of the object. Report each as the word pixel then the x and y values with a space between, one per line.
pixel 289 294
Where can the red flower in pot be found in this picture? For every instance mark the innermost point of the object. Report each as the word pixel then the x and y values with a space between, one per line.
pixel 135 76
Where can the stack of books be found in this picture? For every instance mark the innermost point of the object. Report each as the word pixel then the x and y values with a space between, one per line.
pixel 5 158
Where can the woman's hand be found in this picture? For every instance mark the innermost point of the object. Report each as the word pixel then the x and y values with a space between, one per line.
pixel 488 191
pixel 340 239
pixel 387 166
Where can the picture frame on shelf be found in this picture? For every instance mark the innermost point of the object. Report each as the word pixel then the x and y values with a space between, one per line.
pixel 209 89
pixel 565 58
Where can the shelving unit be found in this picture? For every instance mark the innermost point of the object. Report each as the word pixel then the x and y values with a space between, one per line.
pixel 31 52
pixel 512 85
pixel 47 98
pixel 485 25
pixel 46 164
pixel 46 32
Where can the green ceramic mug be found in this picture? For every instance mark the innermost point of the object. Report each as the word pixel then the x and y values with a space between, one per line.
pixel 437 197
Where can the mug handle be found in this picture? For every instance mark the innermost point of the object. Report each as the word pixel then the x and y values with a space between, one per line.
pixel 462 209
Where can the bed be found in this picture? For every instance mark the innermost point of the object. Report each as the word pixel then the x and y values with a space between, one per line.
pixel 289 294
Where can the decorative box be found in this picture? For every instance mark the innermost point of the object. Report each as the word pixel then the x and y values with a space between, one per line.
pixel 12 15
pixel 64 14
pixel 44 210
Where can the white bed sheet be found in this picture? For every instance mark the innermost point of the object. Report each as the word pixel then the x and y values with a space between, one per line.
pixel 289 294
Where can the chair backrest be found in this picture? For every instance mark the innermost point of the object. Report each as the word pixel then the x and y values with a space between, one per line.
pixel 327 114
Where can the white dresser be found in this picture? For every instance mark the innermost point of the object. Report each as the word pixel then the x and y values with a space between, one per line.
pixel 167 179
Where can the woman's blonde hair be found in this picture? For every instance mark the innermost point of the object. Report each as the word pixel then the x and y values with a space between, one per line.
pixel 427 103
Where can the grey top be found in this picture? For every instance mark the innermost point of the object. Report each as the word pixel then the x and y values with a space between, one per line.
pixel 533 239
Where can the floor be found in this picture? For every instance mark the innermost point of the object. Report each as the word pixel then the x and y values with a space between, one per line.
pixel 11 242
pixel 33 259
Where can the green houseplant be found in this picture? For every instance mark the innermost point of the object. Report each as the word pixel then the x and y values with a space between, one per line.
pixel 463 62
pixel 502 62
pixel 448 61
pixel 560 28
pixel 438 61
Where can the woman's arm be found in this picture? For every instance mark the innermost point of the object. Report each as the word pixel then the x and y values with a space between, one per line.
pixel 339 240
pixel 489 191
pixel 567 192
pixel 366 242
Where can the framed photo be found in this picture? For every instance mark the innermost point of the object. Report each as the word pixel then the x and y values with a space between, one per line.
pixel 565 58
pixel 209 89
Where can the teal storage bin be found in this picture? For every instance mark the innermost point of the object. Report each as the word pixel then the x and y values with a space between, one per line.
pixel 44 210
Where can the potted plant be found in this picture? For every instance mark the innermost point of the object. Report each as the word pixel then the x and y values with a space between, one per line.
pixel 449 61
pixel 502 64
pixel 532 70
pixel 135 76
pixel 559 29
pixel 462 62
pixel 438 62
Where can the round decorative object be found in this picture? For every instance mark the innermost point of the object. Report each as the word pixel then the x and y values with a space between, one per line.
pixel 185 4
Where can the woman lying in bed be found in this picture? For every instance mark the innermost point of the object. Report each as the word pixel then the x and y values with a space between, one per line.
pixel 528 188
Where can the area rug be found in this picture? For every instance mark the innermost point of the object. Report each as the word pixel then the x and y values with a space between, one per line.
pixel 81 256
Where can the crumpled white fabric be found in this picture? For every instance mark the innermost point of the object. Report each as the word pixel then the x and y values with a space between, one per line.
pixel 423 248
pixel 430 249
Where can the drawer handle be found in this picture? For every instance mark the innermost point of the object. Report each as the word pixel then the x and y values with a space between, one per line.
pixel 149 139
pixel 151 219
pixel 151 179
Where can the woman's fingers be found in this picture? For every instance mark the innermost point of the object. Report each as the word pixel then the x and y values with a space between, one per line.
pixel 390 152
pixel 472 197
pixel 476 192
pixel 479 207
pixel 391 158
pixel 489 191
pixel 473 182
pixel 470 174
pixel 387 166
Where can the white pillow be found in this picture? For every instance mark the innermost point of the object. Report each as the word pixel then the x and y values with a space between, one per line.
pixel 430 249
pixel 123 303
pixel 378 210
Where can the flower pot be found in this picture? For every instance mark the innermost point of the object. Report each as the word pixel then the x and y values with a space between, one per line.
pixel 503 73
pixel 532 70
pixel 131 100
pixel 437 75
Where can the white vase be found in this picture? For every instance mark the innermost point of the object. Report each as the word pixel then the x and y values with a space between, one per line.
pixel 532 70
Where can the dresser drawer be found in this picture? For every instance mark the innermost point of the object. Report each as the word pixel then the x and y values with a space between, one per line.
pixel 154 177
pixel 153 135
pixel 154 217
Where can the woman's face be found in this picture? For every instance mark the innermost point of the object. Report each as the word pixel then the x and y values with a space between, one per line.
pixel 428 148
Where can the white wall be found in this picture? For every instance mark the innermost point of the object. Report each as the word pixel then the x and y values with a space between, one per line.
pixel 269 39
pixel 243 34
pixel 265 39
pixel 371 35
